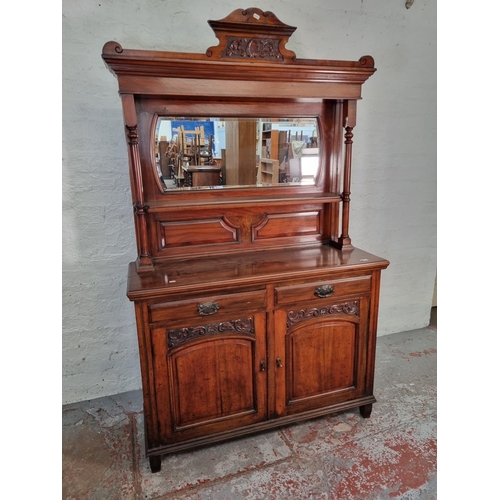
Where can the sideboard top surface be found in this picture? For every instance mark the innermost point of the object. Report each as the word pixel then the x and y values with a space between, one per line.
pixel 240 269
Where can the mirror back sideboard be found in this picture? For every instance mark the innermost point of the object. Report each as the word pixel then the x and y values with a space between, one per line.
pixel 238 286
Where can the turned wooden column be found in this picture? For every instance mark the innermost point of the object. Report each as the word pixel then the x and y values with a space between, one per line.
pixel 335 186
pixel 344 240
pixel 144 262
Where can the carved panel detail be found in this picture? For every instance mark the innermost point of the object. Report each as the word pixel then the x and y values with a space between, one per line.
pixel 253 48
pixel 351 308
pixel 292 224
pixel 180 335
pixel 132 135
pixel 197 232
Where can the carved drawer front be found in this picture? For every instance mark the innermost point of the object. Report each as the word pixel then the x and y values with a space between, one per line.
pixel 208 307
pixel 322 291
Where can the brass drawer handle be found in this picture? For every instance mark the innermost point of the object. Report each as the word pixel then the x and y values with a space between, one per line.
pixel 324 291
pixel 208 308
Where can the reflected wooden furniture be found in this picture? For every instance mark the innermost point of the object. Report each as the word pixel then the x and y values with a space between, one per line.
pixel 163 158
pixel 269 141
pixel 241 140
pixel 268 171
pixel 202 175
pixel 206 151
pixel 195 149
pixel 254 310
pixel 190 142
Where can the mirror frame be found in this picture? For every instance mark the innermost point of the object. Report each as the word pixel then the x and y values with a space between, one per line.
pixel 151 108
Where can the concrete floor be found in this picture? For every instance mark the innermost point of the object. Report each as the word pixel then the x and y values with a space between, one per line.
pixel 392 455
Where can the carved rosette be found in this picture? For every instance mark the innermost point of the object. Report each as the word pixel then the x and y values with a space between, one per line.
pixel 294 317
pixel 253 48
pixel 181 335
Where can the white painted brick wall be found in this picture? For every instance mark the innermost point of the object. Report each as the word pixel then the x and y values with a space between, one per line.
pixel 394 176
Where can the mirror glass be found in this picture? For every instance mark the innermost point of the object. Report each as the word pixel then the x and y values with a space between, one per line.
pixel 220 153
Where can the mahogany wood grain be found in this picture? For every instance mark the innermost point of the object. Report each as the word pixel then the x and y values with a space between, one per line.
pixel 241 137
pixel 140 208
pixel 148 378
pixel 286 197
pixel 214 382
pixel 200 176
pixel 308 292
pixel 335 183
pixel 320 359
pixel 217 230
pixel 321 376
pixel 251 269
pixel 344 240
pixel 372 338
pixel 253 308
pixel 187 311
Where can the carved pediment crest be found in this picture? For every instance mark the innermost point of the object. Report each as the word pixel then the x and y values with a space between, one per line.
pixel 251 34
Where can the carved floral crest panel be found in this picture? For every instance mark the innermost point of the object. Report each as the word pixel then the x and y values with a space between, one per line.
pixel 253 48
pixel 251 34
pixel 350 308
pixel 181 335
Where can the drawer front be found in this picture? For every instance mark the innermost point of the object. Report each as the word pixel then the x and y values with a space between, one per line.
pixel 206 307
pixel 322 290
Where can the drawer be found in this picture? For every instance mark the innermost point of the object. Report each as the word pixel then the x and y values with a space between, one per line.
pixel 208 307
pixel 323 290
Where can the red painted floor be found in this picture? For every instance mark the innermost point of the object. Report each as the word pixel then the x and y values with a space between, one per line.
pixel 392 455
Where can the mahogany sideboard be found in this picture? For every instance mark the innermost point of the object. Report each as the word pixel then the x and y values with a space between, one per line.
pixel 253 308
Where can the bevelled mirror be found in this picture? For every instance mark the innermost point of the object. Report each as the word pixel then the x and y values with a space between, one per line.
pixel 219 153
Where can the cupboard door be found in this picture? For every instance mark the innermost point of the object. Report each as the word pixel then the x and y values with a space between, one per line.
pixel 321 355
pixel 210 378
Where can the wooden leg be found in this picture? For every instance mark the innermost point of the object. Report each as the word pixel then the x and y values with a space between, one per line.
pixel 365 410
pixel 155 463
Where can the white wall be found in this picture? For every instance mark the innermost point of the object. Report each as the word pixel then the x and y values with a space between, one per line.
pixel 394 178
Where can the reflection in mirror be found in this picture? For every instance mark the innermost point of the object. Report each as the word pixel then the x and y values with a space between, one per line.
pixel 216 153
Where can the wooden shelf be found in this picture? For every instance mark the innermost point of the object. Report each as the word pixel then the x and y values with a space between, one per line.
pixel 221 202
pixel 268 171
